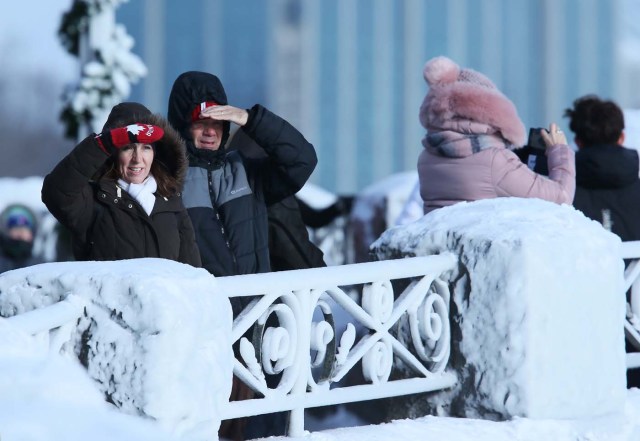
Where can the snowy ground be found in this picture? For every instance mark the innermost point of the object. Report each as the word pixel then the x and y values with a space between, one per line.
pixel 48 397
pixel 624 427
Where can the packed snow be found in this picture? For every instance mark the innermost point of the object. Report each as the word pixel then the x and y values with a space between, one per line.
pixel 537 281
pixel 152 336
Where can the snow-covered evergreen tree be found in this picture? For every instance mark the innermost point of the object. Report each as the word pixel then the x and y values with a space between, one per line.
pixel 108 67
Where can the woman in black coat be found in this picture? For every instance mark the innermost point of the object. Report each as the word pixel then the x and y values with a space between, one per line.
pixel 118 192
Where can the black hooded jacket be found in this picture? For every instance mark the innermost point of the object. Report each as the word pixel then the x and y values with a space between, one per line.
pixel 105 222
pixel 608 188
pixel 226 193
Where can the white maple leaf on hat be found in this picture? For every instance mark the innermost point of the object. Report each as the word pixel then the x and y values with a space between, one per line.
pixel 135 128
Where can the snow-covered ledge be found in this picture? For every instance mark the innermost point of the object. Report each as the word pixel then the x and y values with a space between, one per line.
pixel 157 336
pixel 153 334
pixel 537 315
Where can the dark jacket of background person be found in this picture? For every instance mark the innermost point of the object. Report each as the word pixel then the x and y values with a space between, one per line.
pixel 106 223
pixel 226 193
pixel 9 261
pixel 17 252
pixel 290 247
pixel 608 188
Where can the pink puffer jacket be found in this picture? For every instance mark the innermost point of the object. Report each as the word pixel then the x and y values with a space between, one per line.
pixel 493 172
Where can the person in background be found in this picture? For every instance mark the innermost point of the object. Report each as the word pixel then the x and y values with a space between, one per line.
pixel 290 247
pixel 18 229
pixel 118 192
pixel 472 129
pixel 227 194
pixel 608 187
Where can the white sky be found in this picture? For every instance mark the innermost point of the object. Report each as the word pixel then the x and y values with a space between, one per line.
pixel 30 29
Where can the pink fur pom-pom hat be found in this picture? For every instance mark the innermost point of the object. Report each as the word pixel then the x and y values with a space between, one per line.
pixel 466 101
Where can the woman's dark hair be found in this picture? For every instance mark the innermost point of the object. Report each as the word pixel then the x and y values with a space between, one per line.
pixel 595 121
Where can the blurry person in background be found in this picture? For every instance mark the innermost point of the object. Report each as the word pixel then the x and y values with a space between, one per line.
pixel 290 246
pixel 472 129
pixel 118 192
pixel 18 229
pixel 608 187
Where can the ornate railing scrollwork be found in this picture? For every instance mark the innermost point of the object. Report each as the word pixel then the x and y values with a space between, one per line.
pixel 377 300
pixel 430 329
pixel 296 340
pixel 323 343
pixel 377 362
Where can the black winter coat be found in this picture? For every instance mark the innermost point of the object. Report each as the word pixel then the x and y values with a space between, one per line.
pixel 106 223
pixel 10 260
pixel 289 244
pixel 608 186
pixel 226 193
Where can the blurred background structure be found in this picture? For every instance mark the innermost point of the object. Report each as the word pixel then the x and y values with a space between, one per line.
pixel 347 73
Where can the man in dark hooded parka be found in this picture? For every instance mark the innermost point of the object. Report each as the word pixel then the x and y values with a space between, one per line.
pixel 227 194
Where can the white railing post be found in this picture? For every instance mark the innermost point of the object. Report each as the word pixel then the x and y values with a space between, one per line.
pixel 631 251
pixel 53 322
pixel 296 417
pixel 50 317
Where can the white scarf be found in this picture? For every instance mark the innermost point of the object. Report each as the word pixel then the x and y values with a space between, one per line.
pixel 143 193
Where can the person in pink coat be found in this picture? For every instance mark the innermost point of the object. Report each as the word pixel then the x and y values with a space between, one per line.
pixel 472 129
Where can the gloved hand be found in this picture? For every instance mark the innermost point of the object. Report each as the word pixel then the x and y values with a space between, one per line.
pixel 110 141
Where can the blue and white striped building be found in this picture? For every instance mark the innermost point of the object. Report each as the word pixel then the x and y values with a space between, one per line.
pixel 348 73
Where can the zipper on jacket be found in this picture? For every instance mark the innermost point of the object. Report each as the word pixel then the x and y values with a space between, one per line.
pixel 222 230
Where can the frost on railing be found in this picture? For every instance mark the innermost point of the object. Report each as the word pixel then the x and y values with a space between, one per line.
pixel 292 353
pixel 631 251
pixel 53 323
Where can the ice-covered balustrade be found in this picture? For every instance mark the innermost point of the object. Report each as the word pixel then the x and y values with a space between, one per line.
pixel 52 324
pixel 157 336
pixel 152 333
pixel 537 307
pixel 309 332
pixel 631 251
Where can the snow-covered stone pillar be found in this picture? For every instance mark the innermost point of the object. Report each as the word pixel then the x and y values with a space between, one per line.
pixel 154 335
pixel 537 309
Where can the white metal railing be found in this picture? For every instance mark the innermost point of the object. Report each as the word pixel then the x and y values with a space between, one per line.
pixel 631 251
pixel 54 322
pixel 306 357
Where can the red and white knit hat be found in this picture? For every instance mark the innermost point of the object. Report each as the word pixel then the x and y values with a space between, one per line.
pixel 465 101
pixel 195 113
